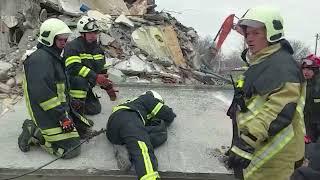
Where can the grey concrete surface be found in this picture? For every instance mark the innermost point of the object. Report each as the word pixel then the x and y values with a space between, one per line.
pixel 201 125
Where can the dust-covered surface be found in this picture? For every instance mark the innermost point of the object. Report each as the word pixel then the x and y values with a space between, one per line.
pixel 201 127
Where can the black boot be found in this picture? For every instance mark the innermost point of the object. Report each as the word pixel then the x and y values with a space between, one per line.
pixel 27 137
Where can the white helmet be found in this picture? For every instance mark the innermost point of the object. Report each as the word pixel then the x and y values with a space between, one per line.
pixel 155 95
pixel 50 28
pixel 87 24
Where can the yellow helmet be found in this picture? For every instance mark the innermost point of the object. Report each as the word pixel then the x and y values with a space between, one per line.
pixel 267 16
pixel 50 28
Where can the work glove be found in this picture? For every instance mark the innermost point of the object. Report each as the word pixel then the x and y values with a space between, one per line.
pixel 111 92
pixel 307 139
pixel 67 125
pixel 102 80
pixel 240 155
pixel 106 84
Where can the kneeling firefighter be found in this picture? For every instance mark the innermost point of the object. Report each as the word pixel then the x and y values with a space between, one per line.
pixel 141 125
pixel 53 124
pixel 84 63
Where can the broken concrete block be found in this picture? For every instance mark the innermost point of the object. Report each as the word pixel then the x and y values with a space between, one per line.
pixel 132 66
pixel 98 15
pixel 153 68
pixel 105 39
pixel 4 69
pixel 159 41
pixel 10 21
pixel 71 22
pixel 4 88
pixel 136 79
pixel 27 41
pixel 115 7
pixel 139 7
pixel 103 20
pixel 110 62
pixel 116 75
pixel 11 82
pixel 165 61
pixel 142 57
pixel 124 20
pixel 70 7
pixel 43 15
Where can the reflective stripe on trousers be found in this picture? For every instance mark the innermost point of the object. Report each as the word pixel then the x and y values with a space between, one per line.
pixel 150 173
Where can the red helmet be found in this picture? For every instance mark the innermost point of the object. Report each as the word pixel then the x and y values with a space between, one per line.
pixel 311 61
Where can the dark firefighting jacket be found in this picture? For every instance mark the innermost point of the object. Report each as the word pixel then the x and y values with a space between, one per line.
pixel 84 59
pixel 45 90
pixel 148 108
pixel 312 107
pixel 274 94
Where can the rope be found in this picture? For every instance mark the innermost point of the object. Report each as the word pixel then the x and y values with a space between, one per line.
pixel 94 134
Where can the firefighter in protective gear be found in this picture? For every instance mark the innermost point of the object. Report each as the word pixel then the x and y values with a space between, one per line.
pixel 52 123
pixel 310 68
pixel 84 63
pixel 141 125
pixel 270 127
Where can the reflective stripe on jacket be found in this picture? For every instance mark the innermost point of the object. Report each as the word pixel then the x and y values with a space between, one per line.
pixel 83 59
pixel 274 94
pixel 45 90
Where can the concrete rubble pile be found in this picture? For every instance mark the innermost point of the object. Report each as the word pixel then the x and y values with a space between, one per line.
pixel 141 45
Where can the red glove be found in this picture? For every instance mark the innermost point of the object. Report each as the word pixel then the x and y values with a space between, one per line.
pixel 102 80
pixel 111 92
pixel 67 125
pixel 307 139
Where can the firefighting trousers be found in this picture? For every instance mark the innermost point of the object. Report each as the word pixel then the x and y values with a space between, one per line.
pixel 126 127
pixel 80 88
pixel 57 144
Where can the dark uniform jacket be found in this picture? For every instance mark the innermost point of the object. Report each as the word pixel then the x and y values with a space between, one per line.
pixel 45 88
pixel 84 59
pixel 148 108
pixel 312 108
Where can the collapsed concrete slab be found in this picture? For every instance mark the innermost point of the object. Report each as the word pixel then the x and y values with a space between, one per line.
pixel 200 127
pixel 159 41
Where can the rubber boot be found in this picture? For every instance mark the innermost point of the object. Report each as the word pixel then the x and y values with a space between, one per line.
pixel 27 138
pixel 122 156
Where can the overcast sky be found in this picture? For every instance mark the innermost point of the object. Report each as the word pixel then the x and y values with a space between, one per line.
pixel 301 17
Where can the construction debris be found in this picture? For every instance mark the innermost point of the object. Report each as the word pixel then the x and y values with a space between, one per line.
pixel 141 45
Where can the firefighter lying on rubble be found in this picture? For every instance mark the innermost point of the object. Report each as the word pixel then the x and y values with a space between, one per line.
pixel 141 125
pixel 84 63
pixel 267 110
pixel 46 92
